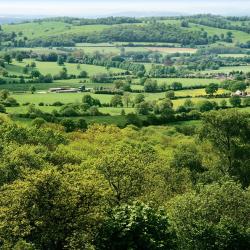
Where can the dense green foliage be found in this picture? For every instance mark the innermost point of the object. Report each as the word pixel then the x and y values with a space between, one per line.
pixel 111 188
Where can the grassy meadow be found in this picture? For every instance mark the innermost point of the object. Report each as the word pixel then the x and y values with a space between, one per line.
pixel 53 68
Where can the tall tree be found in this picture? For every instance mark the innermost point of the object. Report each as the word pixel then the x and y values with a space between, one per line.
pixel 229 132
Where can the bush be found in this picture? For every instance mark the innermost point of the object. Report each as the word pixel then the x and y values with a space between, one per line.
pixel 69 112
pixel 68 124
pixel 10 102
pixel 57 104
pixel 204 106
pixel 81 124
pixel 2 108
pixel 246 102
pixel 38 122
pixel 135 226
pixel 133 119
pixel 235 101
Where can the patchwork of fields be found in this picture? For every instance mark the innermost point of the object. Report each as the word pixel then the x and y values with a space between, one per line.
pixel 144 53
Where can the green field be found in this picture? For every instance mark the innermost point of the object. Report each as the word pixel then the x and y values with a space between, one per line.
pixel 238 36
pixel 227 70
pixel 51 28
pixel 186 82
pixel 45 29
pixel 232 55
pixel 53 68
pixel 50 98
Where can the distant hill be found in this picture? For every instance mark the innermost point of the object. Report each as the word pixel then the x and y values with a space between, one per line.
pixel 17 19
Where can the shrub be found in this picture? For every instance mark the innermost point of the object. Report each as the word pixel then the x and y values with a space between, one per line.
pixel 133 119
pixel 38 122
pixel 2 108
pixel 68 124
pixel 235 101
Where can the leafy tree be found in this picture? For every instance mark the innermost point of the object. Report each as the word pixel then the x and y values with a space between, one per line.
pixel 60 60
pixel 136 226
pixel 170 94
pixel 7 58
pixel 188 104
pixel 238 86
pixel 19 57
pixel 116 101
pixel 176 86
pixel 184 24
pixel 35 73
pixel 207 219
pixel 204 106
pixel 211 88
pixel 124 168
pixel 118 84
pixel 139 98
pixel 164 108
pixel 228 131
pixel 246 102
pixel 32 89
pixel 83 74
pixel 223 103
pixel 126 99
pixel 81 124
pixel 150 86
pixel 93 111
pixel 52 210
pixel 2 108
pixel 78 67
pixel 63 74
pixel 143 108
pixel 235 101
pixel 133 119
pixel 38 122
pixel 187 156
pixel 90 101
pixel 4 94
pixel 26 70
pixel 68 124
pixel 33 65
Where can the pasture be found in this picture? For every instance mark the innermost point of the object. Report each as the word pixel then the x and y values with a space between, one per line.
pixel 187 82
pixel 43 29
pixel 227 70
pixel 238 36
pixel 53 68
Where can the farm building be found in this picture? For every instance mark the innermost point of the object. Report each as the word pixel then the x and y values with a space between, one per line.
pixel 240 93
pixel 63 90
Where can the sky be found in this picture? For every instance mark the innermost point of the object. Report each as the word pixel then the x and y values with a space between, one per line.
pixel 86 8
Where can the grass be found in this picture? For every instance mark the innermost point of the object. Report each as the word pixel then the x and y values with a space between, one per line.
pixel 233 55
pixel 122 44
pixel 187 82
pixel 195 92
pixel 34 30
pixel 172 50
pixel 14 69
pixel 116 50
pixel 227 70
pixel 238 36
pixel 53 68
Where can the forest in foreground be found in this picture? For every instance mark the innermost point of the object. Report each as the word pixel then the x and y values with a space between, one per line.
pixel 158 187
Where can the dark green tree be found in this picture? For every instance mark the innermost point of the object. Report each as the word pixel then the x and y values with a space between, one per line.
pixel 136 226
